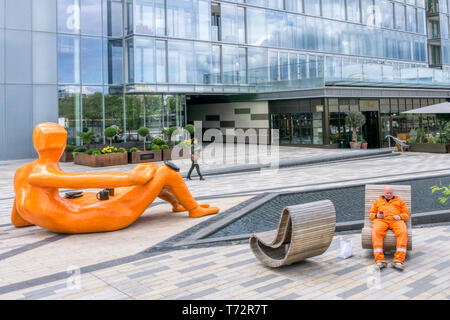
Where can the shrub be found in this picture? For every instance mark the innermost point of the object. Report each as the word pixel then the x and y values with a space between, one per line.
pixel 70 148
pixel 164 147
pixel 96 152
pixel 156 147
pixel 185 144
pixel 122 150
pixel 191 129
pixel 143 132
pixel 80 149
pixel 87 137
pixel 111 132
pixel 158 141
pixel 134 149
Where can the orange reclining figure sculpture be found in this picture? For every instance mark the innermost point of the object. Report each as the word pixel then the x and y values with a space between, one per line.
pixel 37 200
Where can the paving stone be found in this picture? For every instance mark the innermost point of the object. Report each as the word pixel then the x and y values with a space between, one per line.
pixel 147 272
pixel 349 269
pixel 154 259
pixel 196 280
pixel 198 267
pixel 241 263
pixel 200 255
pixel 259 280
pixel 275 285
pixel 199 294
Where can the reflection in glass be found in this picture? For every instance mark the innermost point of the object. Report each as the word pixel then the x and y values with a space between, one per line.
pixel 203 62
pixel 180 19
pixel 144 18
pixel 68 59
pixel 91 60
pixel 181 61
pixel 216 63
pixel 113 61
pixel 69 16
pixel 69 112
pixel 91 17
pixel 114 113
pixel 161 58
pixel 114 21
pixel 92 104
pixel 144 60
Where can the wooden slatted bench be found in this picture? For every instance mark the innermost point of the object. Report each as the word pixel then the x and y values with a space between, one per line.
pixel 304 231
pixel 372 193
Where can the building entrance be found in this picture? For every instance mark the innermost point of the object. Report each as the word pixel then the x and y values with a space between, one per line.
pixel 371 129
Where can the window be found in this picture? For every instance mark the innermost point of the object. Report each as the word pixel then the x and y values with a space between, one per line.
pixel 144 60
pixel 312 7
pixel 400 16
pixel 69 16
pixel 353 11
pixel 181 62
pixel 161 57
pixel 91 60
pixel 91 17
pixel 203 62
pixel 68 59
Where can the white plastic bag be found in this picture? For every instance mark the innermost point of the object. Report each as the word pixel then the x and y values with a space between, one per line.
pixel 346 248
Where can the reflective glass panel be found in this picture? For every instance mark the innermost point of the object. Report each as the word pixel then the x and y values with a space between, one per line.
pixel 69 16
pixel 144 60
pixel 69 112
pixel 91 17
pixel 92 102
pixel 161 60
pixel 144 17
pixel 91 60
pixel 181 61
pixel 203 62
pixel 68 59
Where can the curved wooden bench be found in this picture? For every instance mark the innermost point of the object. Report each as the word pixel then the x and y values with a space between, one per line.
pixel 304 231
pixel 372 193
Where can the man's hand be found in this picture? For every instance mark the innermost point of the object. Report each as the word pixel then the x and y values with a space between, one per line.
pixel 380 215
pixel 397 217
pixel 141 174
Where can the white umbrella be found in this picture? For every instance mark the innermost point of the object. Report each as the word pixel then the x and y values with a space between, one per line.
pixel 443 107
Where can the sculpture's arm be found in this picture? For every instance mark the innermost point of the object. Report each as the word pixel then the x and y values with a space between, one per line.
pixel 59 179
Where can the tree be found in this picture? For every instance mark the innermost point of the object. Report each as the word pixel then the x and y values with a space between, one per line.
pixel 191 129
pixel 168 133
pixel 445 191
pixel 143 132
pixel 87 137
pixel 111 132
pixel 355 119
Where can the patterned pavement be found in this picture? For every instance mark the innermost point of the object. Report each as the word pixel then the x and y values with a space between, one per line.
pixel 37 264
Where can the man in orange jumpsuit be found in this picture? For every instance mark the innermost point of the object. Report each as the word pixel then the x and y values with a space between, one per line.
pixel 389 212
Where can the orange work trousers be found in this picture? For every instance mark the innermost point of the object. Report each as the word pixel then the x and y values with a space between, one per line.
pixel 379 229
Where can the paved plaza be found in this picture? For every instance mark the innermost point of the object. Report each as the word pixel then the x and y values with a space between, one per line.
pixel 140 263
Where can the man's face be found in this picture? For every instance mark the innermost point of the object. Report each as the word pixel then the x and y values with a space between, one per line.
pixel 388 192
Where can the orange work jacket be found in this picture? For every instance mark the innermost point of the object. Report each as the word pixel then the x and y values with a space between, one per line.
pixel 390 208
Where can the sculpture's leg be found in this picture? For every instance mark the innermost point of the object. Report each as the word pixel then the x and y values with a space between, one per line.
pixel 16 219
pixel 167 195
pixel 178 187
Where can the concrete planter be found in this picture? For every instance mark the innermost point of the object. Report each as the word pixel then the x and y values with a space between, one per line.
pixel 355 145
pixel 66 157
pixel 429 147
pixel 145 156
pixel 101 160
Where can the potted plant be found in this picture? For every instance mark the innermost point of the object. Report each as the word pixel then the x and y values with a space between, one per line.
pixel 144 132
pixel 420 142
pixel 354 120
pixel 87 137
pixel 152 155
pixel 111 132
pixel 67 155
pixel 108 156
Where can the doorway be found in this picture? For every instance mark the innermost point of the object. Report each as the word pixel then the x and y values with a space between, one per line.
pixel 371 129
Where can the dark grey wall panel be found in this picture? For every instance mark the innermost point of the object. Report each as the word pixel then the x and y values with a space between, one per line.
pixel 18 57
pixel 18 121
pixel 18 14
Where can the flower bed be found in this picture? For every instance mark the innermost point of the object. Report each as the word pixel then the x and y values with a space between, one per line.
pixel 108 156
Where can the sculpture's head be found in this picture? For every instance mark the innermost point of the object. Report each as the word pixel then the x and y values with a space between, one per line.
pixel 49 140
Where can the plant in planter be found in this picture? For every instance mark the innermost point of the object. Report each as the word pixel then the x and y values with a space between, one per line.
pixel 191 129
pixel 87 137
pixel 144 132
pixel 168 134
pixel 354 120
pixel 111 132
pixel 363 141
pixel 67 155
pixel 108 156
pixel 137 156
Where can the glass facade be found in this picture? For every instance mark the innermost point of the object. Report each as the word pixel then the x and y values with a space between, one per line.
pixel 132 62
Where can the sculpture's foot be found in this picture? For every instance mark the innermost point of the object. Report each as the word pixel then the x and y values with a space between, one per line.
pixel 180 208
pixel 200 211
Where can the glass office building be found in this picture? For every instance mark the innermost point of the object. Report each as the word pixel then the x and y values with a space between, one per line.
pixel 293 65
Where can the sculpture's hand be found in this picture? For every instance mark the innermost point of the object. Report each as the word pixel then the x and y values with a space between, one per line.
pixel 141 174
